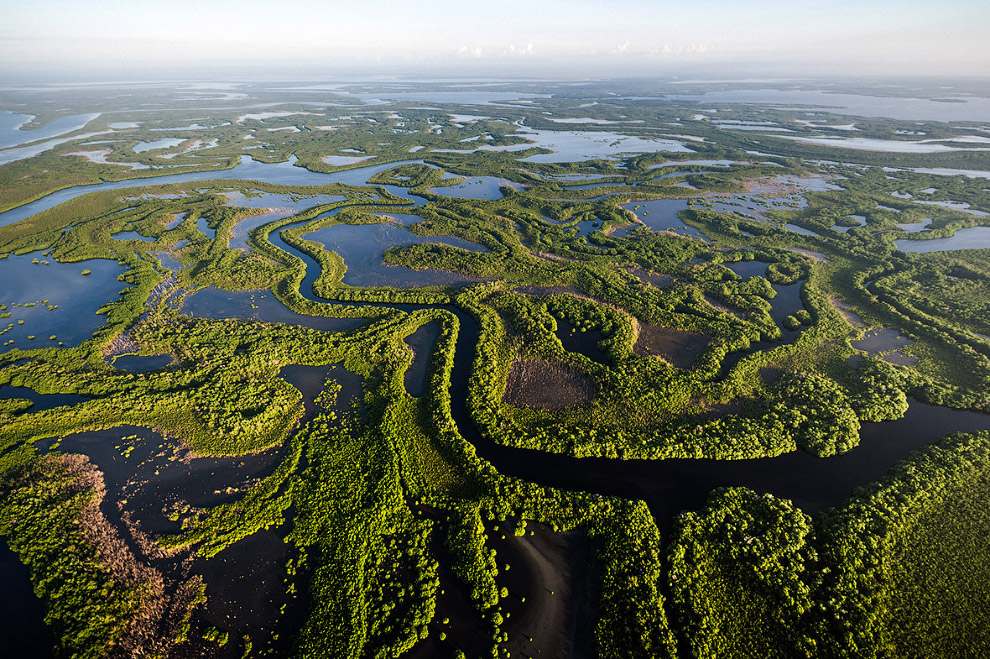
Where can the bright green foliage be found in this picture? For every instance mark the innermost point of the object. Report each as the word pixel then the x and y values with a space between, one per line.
pixel 741 573
pixel 908 559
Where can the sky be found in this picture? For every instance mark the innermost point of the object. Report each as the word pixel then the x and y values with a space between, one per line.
pixel 572 38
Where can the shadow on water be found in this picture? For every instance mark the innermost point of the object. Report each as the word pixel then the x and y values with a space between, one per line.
pixel 141 363
pixel 421 342
pixel 582 342
pixel 23 630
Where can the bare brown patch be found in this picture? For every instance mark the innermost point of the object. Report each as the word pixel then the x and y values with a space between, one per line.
pixel 549 290
pixel 544 385
pixel 654 279
pixel 678 347
pixel 714 411
pixel 553 257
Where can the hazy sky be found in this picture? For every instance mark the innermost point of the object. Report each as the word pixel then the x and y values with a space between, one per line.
pixel 573 37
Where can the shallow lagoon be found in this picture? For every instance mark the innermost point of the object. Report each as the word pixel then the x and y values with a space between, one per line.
pixel 11 133
pixel 971 108
pixel 662 215
pixel 476 187
pixel 362 247
pixel 77 296
pixel 283 173
pixel 163 143
pixel 969 238
pixel 258 305
pixel 577 146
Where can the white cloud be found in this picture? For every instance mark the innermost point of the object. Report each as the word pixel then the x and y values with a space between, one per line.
pixel 474 53
pixel 512 51
pixel 620 49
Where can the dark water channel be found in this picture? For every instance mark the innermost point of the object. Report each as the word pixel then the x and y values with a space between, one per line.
pixel 39 402
pixel 23 632
pixel 421 342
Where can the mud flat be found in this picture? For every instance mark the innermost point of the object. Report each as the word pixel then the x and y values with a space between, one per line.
pixel 678 347
pixel 547 386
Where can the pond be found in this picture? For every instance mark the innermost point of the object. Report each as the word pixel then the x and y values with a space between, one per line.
pixel 747 269
pixel 204 228
pixel 801 230
pixel 54 299
pixel 141 363
pixel 663 215
pixel 881 340
pixel 476 187
pixel 969 238
pixel 915 227
pixel 163 143
pixel 363 246
pixel 584 342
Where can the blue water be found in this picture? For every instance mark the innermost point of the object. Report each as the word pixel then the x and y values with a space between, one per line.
pixel 204 228
pixel 11 135
pixel 971 238
pixel 258 305
pixel 747 269
pixel 77 297
pixel 284 173
pixel 662 215
pixel 477 187
pixel 163 143
pixel 362 248
pixel 801 230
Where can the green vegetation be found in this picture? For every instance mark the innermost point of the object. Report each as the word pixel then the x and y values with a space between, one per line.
pixel 397 523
